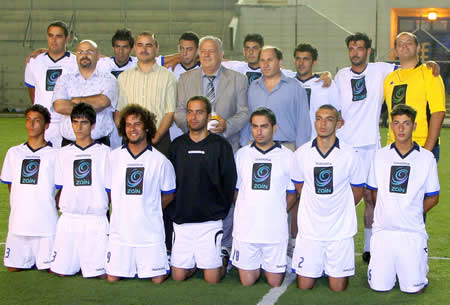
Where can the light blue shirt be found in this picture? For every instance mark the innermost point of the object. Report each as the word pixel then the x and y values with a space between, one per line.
pixel 289 102
pixel 71 85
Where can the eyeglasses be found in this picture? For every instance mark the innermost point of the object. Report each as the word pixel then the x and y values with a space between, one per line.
pixel 88 52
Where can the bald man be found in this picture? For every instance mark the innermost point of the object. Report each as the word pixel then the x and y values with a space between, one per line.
pixel 87 85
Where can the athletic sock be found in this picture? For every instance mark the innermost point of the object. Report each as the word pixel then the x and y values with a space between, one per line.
pixel 367 236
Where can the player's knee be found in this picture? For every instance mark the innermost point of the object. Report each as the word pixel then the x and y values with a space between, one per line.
pixel 338 287
pixel 304 285
pixel 274 282
pixel 159 279
pixel 247 282
pixel 111 278
pixel 178 275
pixel 11 269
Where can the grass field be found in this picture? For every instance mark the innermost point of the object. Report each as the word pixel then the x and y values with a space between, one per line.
pixel 37 287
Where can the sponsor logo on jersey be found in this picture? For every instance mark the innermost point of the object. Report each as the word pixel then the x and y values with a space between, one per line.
pixel 82 172
pixel 323 180
pixel 261 176
pixel 51 78
pixel 30 171
pixel 252 76
pixel 134 180
pixel 359 90
pixel 399 95
pixel 116 73
pixel 399 179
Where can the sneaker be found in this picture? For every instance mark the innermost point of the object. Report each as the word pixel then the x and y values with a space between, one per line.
pixel 366 257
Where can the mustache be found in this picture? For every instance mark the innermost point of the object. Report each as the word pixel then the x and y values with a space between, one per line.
pixel 85 58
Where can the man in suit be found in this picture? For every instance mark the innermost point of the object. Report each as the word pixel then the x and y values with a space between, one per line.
pixel 227 91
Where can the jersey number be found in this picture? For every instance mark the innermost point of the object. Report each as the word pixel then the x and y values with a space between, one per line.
pixel 302 259
pixel 7 252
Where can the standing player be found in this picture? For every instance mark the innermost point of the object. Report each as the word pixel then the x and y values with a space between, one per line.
pixel 264 195
pixel 42 72
pixel 28 170
pixel 305 58
pixel 405 184
pixel 82 231
pixel 206 179
pixel 327 177
pixel 141 182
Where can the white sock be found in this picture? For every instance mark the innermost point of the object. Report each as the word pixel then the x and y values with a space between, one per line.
pixel 367 236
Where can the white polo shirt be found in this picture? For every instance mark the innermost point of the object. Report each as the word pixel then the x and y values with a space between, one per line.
pixel 327 206
pixel 136 183
pixel 263 179
pixel 79 173
pixel 402 182
pixel 361 101
pixel 318 96
pixel 32 198
pixel 42 72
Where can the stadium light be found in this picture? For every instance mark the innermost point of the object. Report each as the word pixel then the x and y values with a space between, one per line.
pixel 432 16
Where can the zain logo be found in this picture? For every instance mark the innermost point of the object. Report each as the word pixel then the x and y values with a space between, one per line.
pixel 399 95
pixel 53 77
pixel 83 169
pixel 399 179
pixel 359 86
pixel 324 177
pixel 261 176
pixel 135 178
pixel 31 169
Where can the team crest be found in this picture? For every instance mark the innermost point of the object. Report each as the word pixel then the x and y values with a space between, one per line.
pixel 82 172
pixel 30 171
pixel 323 180
pixel 399 95
pixel 399 179
pixel 134 180
pixel 252 76
pixel 359 89
pixel 261 176
pixel 51 78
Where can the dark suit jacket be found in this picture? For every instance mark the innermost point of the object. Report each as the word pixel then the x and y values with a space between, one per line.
pixel 230 102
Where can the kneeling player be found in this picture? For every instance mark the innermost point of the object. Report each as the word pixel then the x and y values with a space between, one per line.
pixel 327 174
pixel 142 183
pixel 28 169
pixel 206 178
pixel 82 231
pixel 401 176
pixel 264 195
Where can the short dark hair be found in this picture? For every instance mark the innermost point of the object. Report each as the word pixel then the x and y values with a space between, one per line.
pixel 148 118
pixel 359 36
pixel 191 36
pixel 304 47
pixel 416 40
pixel 263 111
pixel 255 37
pixel 202 99
pixel 42 110
pixel 83 110
pixel 61 25
pixel 332 108
pixel 404 109
pixel 278 52
pixel 123 35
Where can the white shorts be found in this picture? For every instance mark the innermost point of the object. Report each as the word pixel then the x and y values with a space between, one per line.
pixel 25 251
pixel 80 242
pixel 404 254
pixel 312 257
pixel 366 155
pixel 252 256
pixel 197 244
pixel 127 261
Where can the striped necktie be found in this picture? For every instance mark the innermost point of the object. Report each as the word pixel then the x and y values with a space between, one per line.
pixel 210 92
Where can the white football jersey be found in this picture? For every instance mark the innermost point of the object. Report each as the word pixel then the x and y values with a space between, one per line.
pixel 402 183
pixel 251 73
pixel 108 64
pixel 32 198
pixel 79 173
pixel 327 206
pixel 136 183
pixel 318 96
pixel 263 180
pixel 42 72
pixel 361 101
